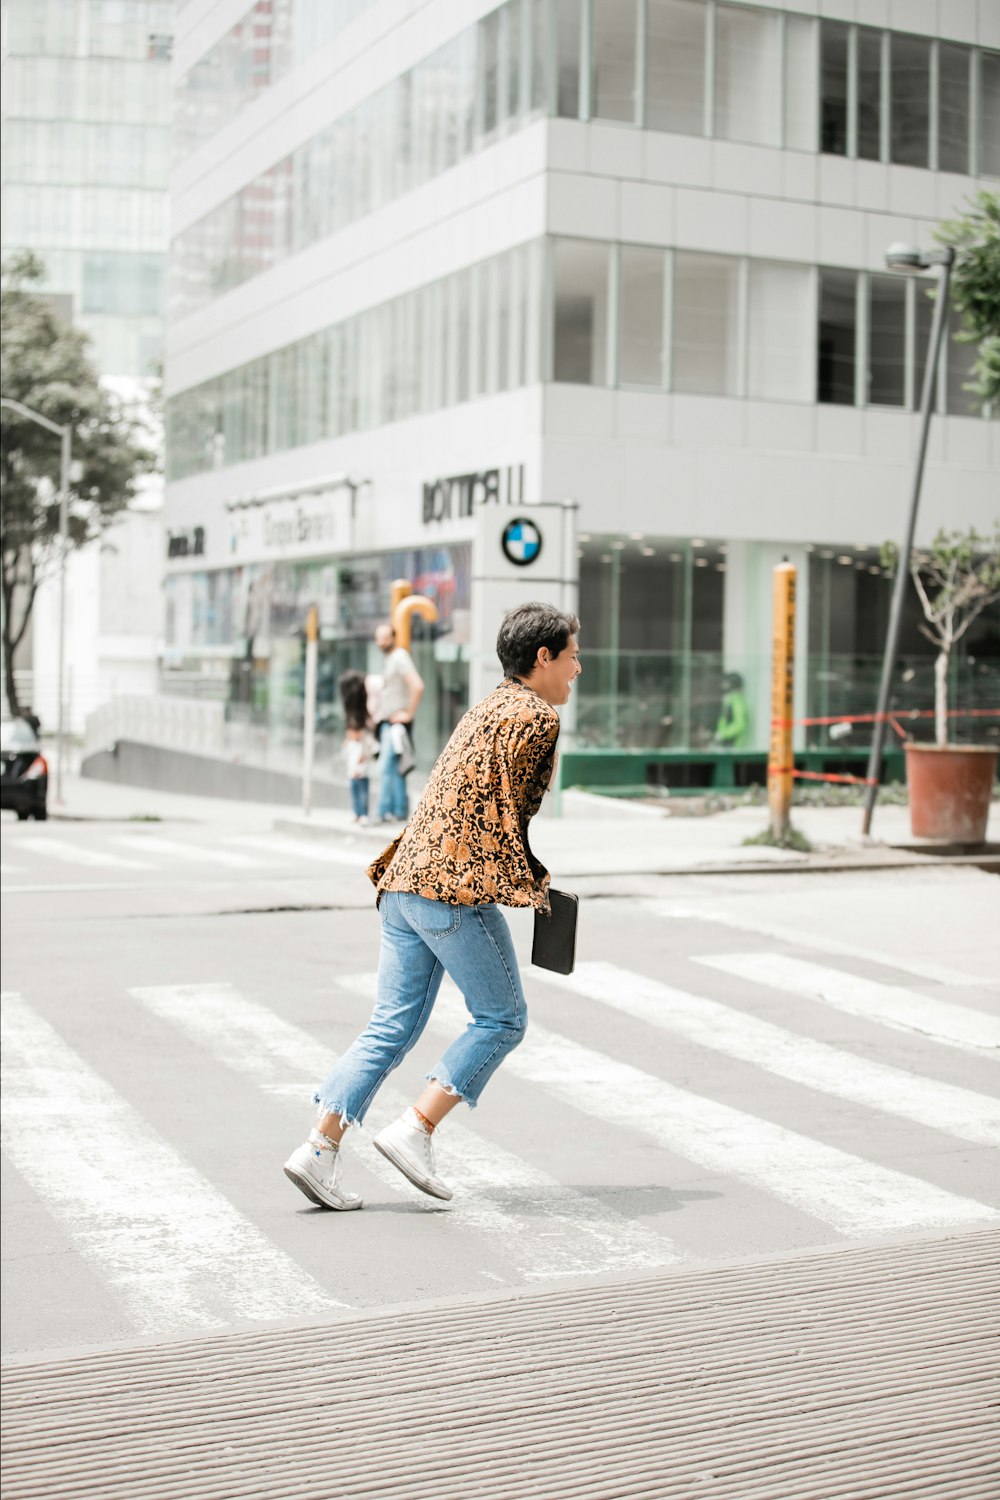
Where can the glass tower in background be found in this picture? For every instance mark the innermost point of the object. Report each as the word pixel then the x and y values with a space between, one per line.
pixel 86 129
pixel 86 108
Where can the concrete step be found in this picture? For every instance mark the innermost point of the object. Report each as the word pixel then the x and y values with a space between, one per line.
pixel 833 1376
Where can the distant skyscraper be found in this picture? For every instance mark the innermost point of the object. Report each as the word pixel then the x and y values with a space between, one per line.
pixel 86 119
pixel 86 122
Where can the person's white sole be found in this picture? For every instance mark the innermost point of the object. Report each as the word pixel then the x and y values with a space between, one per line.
pixel 433 1189
pixel 314 1193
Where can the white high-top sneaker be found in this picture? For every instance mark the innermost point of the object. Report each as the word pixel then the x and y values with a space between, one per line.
pixel 315 1169
pixel 408 1145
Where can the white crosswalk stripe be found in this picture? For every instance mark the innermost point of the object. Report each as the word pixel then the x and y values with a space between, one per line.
pixel 547 1229
pixel 734 916
pixel 312 851
pixel 83 854
pixel 173 1248
pixel 209 854
pixel 855 1197
pixel 889 1004
pixel 829 1070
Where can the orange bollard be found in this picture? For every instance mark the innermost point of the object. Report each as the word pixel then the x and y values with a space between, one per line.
pixel 780 760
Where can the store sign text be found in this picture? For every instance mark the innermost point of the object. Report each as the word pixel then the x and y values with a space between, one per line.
pixel 186 543
pixel 284 528
pixel 455 498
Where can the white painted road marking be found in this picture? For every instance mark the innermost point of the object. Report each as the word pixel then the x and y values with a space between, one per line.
pixel 197 853
pixel 308 849
pixel 80 854
pixel 89 886
pixel 856 1197
pixel 177 1252
pixel 815 1065
pixel 888 1004
pixel 797 937
pixel 545 1228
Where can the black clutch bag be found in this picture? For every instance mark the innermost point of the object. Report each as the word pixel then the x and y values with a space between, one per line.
pixel 554 945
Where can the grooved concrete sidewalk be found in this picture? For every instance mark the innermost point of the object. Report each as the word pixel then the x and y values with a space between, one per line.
pixel 855 1373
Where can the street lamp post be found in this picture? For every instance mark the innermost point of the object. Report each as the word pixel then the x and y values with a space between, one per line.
pixel 65 435
pixel 911 262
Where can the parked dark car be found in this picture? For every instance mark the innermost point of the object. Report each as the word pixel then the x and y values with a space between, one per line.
pixel 24 771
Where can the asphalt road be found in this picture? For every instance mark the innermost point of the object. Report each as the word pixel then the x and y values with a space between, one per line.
pixel 741 1066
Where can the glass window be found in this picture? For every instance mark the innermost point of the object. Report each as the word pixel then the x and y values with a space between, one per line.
pixel 675 66
pixel 910 73
pixel 706 334
pixel 801 82
pixel 779 345
pixel 641 334
pixel 833 75
pixel 542 55
pixel 886 340
pixel 953 108
pixel 580 311
pixel 835 344
pixel 487 74
pixel 502 287
pixel 748 75
pixel 869 94
pixel 613 76
pixel 567 19
pixel 989 113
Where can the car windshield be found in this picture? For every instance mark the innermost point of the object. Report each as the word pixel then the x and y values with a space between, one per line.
pixel 17 734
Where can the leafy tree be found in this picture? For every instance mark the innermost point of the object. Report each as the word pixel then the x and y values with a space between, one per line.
pixel 956 578
pixel 975 287
pixel 46 367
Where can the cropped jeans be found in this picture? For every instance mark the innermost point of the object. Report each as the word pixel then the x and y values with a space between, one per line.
pixel 421 941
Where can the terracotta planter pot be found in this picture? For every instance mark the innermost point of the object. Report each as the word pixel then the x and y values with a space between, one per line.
pixel 949 791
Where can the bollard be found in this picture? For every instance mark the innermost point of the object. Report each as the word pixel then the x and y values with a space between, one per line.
pixel 309 724
pixel 780 757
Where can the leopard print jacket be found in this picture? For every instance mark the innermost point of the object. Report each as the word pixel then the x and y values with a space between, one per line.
pixel 467 840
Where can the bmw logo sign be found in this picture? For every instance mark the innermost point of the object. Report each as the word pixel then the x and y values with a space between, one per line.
pixel 521 542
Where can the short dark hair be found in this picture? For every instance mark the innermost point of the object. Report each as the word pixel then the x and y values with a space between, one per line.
pixel 526 629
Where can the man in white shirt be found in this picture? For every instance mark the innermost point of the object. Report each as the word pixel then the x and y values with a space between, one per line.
pixel 402 689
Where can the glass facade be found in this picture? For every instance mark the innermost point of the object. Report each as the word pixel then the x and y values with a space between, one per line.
pixel 455 102
pixel 626 315
pixel 740 73
pixel 470 334
pixel 239 634
pixel 270 39
pixel 85 163
pixel 849 600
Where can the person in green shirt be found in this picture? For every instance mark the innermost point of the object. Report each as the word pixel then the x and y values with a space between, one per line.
pixel 732 732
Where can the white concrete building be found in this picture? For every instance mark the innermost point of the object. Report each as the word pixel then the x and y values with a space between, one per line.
pixel 615 268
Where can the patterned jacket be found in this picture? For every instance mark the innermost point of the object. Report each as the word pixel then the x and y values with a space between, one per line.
pixel 467 840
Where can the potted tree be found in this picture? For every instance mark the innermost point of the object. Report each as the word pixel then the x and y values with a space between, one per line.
pixel 950 785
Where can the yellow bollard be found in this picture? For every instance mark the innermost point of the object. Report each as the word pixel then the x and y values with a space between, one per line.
pixel 780 757
pixel 402 617
pixel 398 591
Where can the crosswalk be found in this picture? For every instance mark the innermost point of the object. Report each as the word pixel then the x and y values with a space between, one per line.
pixel 36 857
pixel 186 1247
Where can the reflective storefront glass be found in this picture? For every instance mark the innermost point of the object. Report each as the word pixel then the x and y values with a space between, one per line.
pixel 238 635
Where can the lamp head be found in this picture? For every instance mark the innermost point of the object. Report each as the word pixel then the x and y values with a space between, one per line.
pixel 906 258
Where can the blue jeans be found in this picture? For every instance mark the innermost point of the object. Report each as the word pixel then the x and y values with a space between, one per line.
pixel 421 940
pixel 393 801
pixel 359 796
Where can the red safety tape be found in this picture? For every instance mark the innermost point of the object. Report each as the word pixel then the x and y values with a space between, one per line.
pixel 909 713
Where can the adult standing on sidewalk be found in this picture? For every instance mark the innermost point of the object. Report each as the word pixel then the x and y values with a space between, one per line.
pixel 402 690
pixel 440 884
